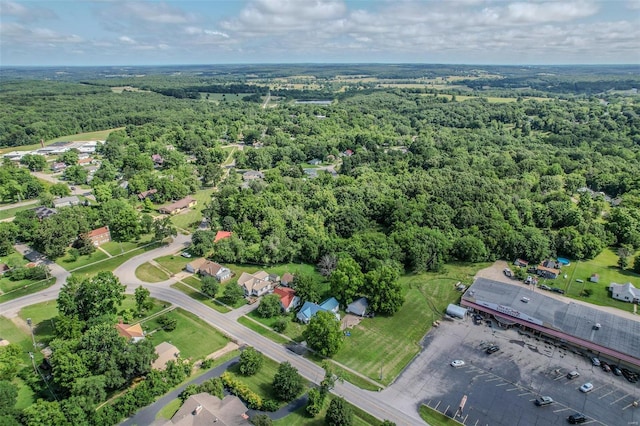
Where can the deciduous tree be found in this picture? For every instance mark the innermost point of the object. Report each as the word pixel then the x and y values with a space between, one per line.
pixel 287 383
pixel 269 306
pixel 250 361
pixel 339 413
pixel 323 334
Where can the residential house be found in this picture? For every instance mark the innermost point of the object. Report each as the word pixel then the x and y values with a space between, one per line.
pixel 347 153
pixel 551 264
pixel 43 212
pixel 311 173
pixel 315 162
pixel 221 235
pixel 287 279
pixel 252 175
pixel 213 269
pixel 521 263
pixel 58 167
pixel 309 309
pixel 205 409
pixel 157 159
pixel 288 298
pixel 546 272
pixel 358 307
pixel 100 236
pixel 625 292
pixel 85 161
pixel 4 268
pixel 146 194
pixel 66 202
pixel 130 332
pixel 595 278
pixel 178 206
pixel 194 265
pixel 255 284
pixel 166 352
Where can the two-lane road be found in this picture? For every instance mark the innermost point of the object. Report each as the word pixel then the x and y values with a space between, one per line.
pixel 371 402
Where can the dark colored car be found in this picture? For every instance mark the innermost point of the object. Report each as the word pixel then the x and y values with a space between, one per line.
pixel 572 375
pixel 544 287
pixel 557 290
pixel 616 371
pixel 576 418
pixel 492 349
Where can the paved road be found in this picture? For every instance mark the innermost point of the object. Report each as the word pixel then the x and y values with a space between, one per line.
pixel 371 402
pixel 54 179
pixel 21 204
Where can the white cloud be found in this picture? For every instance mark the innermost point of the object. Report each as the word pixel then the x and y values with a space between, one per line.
pixel 126 40
pixel 24 14
pixel 549 11
pixel 159 13
pixel 21 35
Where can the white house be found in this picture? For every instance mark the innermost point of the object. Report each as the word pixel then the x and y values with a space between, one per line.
pixel 625 292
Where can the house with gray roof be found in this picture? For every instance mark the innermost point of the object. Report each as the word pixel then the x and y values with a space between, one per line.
pixel 358 307
pixel 625 292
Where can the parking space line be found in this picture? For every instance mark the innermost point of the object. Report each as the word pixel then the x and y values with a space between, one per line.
pixel 485 374
pixel 608 393
pixel 561 410
pixel 494 379
pixel 619 399
pixel 503 384
pixel 533 399
pixel 559 377
pixel 523 394
pixel 512 389
pixel 628 405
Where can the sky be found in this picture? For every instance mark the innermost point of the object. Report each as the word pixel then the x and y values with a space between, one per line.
pixel 123 32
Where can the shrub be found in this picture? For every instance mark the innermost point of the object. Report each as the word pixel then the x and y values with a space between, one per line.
pixel 270 405
pixel 242 391
pixel 281 325
pixel 250 362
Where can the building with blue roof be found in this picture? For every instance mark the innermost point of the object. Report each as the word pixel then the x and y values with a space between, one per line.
pixel 309 309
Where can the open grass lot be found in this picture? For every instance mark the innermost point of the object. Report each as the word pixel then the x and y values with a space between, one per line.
pixel 174 262
pixel 14 259
pixel 7 213
pixel 605 265
pixel 263 331
pixel 300 418
pixel 26 396
pixel 436 418
pixel 150 274
pixel 191 286
pixel 194 337
pixel 33 287
pixel 89 136
pixel 294 329
pixel 260 382
pixel 115 248
pixel 69 264
pixel 190 219
pixel 385 345
pixel 112 263
pixel 170 409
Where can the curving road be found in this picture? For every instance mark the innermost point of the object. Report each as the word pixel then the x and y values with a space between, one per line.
pixel 371 402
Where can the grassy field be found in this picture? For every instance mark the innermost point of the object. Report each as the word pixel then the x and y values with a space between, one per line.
pixel 113 262
pixel 266 332
pixel 150 274
pixel 294 329
pixel 7 213
pixel 381 347
pixel 260 382
pixel 69 264
pixel 436 418
pixel 190 220
pixel 170 409
pixel 194 337
pixel 300 418
pixel 174 262
pixel 27 289
pixel 605 265
pixel 115 248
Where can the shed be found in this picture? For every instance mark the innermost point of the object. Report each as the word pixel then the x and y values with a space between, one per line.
pixel 595 278
pixel 456 311
pixel 358 307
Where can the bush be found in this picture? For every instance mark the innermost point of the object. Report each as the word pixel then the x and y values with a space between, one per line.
pixel 270 405
pixel 262 420
pixel 213 386
pixel 242 391
pixel 281 325
pixel 168 323
pixel 250 362
pixel 206 363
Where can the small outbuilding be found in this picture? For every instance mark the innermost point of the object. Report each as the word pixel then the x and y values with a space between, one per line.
pixel 358 307
pixel 456 311
pixel 595 278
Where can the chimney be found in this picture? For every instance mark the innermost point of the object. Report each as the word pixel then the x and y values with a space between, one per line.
pixel 197 410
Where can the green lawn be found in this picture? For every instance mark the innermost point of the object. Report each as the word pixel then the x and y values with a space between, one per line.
pixel 300 418
pixel 174 262
pixel 170 409
pixel 294 329
pixel 26 396
pixel 193 281
pixel 605 265
pixel 13 259
pixel 190 220
pixel 194 293
pixel 28 289
pixel 266 332
pixel 383 346
pixel 260 382
pixel 195 338
pixel 67 263
pixel 115 248
pixel 7 213
pixel 150 273
pixel 436 418
pixel 112 263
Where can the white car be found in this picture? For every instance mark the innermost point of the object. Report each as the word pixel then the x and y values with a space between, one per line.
pixel 587 387
pixel 185 254
pixel 457 363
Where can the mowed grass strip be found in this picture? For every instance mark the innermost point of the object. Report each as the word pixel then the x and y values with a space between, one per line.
pixel 262 330
pixel 261 382
pixel 150 273
pixel 174 262
pixel 436 418
pixel 68 263
pixel 383 346
pixel 195 338
pixel 33 287
pixel 200 297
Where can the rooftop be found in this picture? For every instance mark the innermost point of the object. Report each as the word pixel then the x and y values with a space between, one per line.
pixel 573 319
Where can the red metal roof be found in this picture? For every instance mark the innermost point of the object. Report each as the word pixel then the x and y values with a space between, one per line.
pixel 221 235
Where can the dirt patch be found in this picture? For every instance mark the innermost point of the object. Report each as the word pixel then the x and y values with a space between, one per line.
pixel 21 324
pixel 228 348
pixel 349 321
pixel 495 272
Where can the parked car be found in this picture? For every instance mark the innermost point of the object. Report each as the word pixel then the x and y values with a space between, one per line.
pixel 605 367
pixel 492 349
pixel 587 387
pixel 595 361
pixel 457 363
pixel 525 299
pixel 557 290
pixel 543 400
pixel 617 371
pixel 576 418
pixel 629 375
pixel 185 254
pixel 544 287
pixel 572 375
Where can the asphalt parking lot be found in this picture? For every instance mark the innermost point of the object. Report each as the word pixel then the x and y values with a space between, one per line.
pixel 501 387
